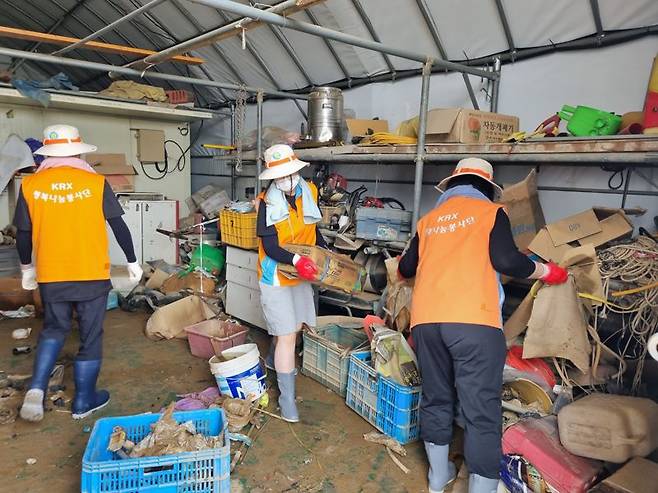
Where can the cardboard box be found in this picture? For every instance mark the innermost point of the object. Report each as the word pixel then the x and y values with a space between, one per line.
pixel 169 321
pixel 524 210
pixel 361 128
pixel 469 126
pixel 639 475
pixel 336 271
pixel 596 227
pixel 118 173
pixel 210 200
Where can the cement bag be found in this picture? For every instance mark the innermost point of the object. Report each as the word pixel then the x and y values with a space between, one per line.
pixel 557 326
pixel 398 298
pixel 169 322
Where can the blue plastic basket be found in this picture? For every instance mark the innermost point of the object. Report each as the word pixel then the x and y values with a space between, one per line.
pixel 392 408
pixel 207 471
pixel 361 395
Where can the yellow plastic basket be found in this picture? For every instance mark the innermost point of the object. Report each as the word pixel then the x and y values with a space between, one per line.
pixel 238 229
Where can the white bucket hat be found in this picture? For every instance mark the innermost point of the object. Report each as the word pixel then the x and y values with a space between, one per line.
pixel 63 141
pixel 474 166
pixel 280 161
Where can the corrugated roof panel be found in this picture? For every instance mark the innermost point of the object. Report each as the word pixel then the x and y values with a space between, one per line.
pixel 541 23
pixel 633 13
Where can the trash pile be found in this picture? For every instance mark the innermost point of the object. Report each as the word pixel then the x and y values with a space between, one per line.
pixel 167 437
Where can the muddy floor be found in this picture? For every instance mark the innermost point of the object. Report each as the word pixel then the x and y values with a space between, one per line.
pixel 328 453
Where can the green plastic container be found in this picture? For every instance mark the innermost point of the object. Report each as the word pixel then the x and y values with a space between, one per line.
pixel 586 122
pixel 210 258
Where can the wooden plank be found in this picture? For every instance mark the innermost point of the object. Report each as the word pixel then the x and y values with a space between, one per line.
pixel 11 32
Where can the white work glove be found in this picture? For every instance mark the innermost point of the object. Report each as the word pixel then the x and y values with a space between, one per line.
pixel 135 272
pixel 29 277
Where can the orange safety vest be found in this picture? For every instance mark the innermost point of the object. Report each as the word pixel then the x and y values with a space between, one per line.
pixel 455 281
pixel 68 225
pixel 292 230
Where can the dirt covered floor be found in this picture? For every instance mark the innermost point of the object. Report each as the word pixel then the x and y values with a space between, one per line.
pixel 328 453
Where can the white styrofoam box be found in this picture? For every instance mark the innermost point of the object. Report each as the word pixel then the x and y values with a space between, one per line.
pixel 244 304
pixel 244 277
pixel 247 259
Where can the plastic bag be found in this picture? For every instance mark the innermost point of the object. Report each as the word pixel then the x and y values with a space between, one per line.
pixel 271 135
pixel 394 358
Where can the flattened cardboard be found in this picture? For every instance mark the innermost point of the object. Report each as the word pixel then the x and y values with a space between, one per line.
pixel 526 216
pixel 169 322
pixel 121 183
pixel 468 126
pixel 613 227
pixel 639 475
pixel 336 271
pixel 157 279
pixel 574 228
pixel 543 246
pixel 110 164
pixel 360 128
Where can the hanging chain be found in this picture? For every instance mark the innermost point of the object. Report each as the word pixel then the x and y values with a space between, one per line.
pixel 240 114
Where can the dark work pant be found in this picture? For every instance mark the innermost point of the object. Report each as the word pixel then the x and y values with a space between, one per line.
pixel 57 324
pixel 463 364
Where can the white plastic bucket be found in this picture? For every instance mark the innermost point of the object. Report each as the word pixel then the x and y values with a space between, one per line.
pixel 241 374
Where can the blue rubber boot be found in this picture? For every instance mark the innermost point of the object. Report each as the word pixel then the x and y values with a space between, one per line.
pixel 442 472
pixel 44 362
pixel 480 484
pixel 87 399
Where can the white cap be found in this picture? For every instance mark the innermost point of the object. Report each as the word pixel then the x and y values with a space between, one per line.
pixel 474 166
pixel 63 141
pixel 280 161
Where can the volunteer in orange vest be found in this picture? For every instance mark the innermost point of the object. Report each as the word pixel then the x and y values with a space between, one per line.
pixel 288 214
pixel 456 257
pixel 60 216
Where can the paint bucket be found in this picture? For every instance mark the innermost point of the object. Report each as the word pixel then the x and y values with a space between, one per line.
pixel 238 372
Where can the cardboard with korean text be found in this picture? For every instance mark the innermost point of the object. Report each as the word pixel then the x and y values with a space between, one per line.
pixel 466 126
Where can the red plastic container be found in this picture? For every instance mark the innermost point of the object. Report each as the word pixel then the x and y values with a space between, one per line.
pixel 179 96
pixel 538 441
pixel 211 337
pixel 534 366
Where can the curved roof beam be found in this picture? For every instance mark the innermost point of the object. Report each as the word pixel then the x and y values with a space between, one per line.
pixel 371 29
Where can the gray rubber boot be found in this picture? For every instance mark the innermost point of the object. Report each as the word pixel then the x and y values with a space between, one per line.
pixel 287 398
pixel 480 484
pixel 442 472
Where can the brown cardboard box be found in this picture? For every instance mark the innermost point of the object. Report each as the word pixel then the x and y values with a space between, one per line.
pixel 169 321
pixel 595 227
pixel 637 476
pixel 524 210
pixel 118 173
pixel 469 126
pixel 336 271
pixel 360 128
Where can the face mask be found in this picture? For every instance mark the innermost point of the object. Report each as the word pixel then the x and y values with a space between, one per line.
pixel 288 183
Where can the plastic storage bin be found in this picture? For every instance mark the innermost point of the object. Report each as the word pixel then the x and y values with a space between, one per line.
pixel 612 428
pixel 211 337
pixel 238 229
pixel 361 391
pixel 392 408
pixel 327 354
pixel 206 471
pixel 383 224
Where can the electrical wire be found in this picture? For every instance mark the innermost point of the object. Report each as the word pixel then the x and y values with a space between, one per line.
pixel 163 168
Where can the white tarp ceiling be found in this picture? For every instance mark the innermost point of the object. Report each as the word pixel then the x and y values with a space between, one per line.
pixel 468 29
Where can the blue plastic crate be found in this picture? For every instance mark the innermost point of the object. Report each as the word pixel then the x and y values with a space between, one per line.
pixel 390 407
pixel 397 410
pixel 207 471
pixel 361 395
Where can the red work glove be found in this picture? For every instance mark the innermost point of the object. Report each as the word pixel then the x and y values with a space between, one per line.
pixel 306 268
pixel 555 274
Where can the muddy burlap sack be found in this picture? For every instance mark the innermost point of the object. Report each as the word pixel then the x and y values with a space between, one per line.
pixel 558 327
pixel 398 298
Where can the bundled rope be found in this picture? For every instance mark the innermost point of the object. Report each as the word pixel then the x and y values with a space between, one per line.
pixel 633 265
